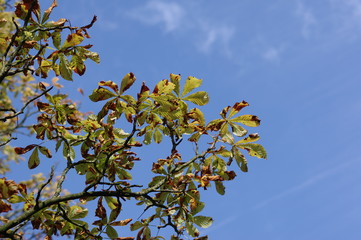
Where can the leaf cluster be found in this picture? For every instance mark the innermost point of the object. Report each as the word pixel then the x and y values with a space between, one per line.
pixel 103 148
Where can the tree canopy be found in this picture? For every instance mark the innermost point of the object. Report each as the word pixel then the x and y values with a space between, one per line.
pixel 103 147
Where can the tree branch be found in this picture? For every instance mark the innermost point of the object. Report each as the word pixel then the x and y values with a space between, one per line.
pixel 54 201
pixel 26 104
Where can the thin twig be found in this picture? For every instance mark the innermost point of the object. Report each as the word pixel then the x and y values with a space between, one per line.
pixel 37 201
pixel 4 143
pixel 26 104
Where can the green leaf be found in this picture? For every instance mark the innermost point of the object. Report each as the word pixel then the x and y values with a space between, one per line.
pixel 202 221
pixel 112 202
pixel 16 199
pixel 175 79
pixel 136 226
pixel 238 130
pixel 123 175
pixel 56 36
pixel 156 180
pixel 127 82
pixel 114 214
pixel 64 68
pixel 240 159
pixel 34 160
pixel 200 98
pixel 77 212
pixel 254 149
pixel 111 232
pixel 45 151
pixel 93 56
pixel 77 65
pixel 191 83
pixel 157 136
pixel 68 152
pixel 248 120
pixel 199 207
pixel 101 94
pixel 191 229
pixel 148 137
pixel 220 187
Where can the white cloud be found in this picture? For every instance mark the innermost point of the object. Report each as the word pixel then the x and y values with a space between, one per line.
pixel 213 34
pixel 206 34
pixel 272 54
pixel 307 18
pixel 169 14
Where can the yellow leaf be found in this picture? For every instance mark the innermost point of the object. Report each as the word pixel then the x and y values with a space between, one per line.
pixel 191 83
pixel 248 120
pixel 73 40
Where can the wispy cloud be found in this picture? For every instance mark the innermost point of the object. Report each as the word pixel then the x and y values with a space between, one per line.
pixel 307 183
pixel 206 34
pixel 168 14
pixel 212 35
pixel 272 54
pixel 307 18
pixel 355 6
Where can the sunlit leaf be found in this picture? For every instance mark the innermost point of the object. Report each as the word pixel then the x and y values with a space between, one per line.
pixel 191 83
pixel 237 107
pixel 127 82
pixel 203 221
pixel 101 94
pixel 251 138
pixel 200 98
pixel 175 79
pixel 122 222
pixel 238 130
pixel 16 199
pixel 254 149
pixel 164 86
pixel 73 39
pixel 248 120
pixel 77 212
pixel 240 159
pixel 157 136
pixel 109 84
pixel 77 65
pixel 64 68
pixel 48 11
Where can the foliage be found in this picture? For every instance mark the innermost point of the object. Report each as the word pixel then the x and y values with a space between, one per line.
pixel 102 148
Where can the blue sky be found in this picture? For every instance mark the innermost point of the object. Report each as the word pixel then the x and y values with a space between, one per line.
pixel 296 62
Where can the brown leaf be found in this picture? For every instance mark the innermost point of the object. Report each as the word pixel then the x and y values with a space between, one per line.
pixel 4 207
pixel 122 222
pixel 60 22
pixel 42 106
pixel 50 9
pixel 7 188
pixel 110 84
pixel 100 211
pixel 91 23
pixel 20 150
